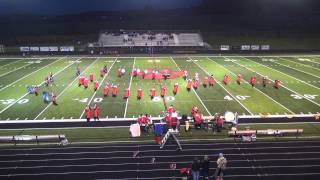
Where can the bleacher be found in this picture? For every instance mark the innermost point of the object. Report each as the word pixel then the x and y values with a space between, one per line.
pixel 142 39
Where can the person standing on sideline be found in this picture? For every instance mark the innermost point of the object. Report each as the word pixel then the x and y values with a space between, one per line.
pixel 96 112
pixel 205 167
pixel 195 168
pixel 88 113
pixel 221 166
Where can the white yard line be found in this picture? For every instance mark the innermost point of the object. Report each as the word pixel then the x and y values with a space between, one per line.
pixel 281 72
pixel 300 63
pixel 296 69
pixel 65 89
pixel 127 101
pixel 29 74
pixel 281 85
pixel 15 69
pixel 313 58
pixel 11 63
pixel 259 90
pixel 193 90
pixel 7 107
pixel 222 86
pixel 99 87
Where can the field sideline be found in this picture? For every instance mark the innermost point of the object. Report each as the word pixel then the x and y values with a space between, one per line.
pixel 298 94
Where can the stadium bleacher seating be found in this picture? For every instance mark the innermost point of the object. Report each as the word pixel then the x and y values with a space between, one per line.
pixel 108 39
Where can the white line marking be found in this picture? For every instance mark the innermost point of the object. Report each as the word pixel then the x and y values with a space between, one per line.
pixel 29 74
pixel 224 87
pixel 1 67
pixel 65 89
pixel 15 69
pixel 282 85
pixel 98 87
pixel 193 89
pixel 260 91
pixel 295 68
pixel 283 73
pixel 127 101
pixel 7 107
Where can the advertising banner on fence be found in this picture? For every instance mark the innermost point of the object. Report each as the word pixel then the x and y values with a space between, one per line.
pixel 44 49
pixel 255 47
pixel 34 49
pixel 24 49
pixel 66 48
pixel 225 48
pixel 53 49
pixel 245 47
pixel 265 47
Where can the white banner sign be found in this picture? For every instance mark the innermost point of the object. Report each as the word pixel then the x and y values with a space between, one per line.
pixel 265 47
pixel 24 49
pixel 255 47
pixel 225 48
pixel 245 47
pixel 34 49
pixel 66 48
pixel 44 49
pixel 53 48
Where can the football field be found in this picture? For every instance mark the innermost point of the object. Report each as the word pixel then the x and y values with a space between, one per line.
pixel 299 92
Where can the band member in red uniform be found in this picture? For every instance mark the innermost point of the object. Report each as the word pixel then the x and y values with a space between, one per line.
pixel 276 84
pixel 102 72
pixel 126 93
pixel 88 113
pixel 196 83
pixel 175 88
pixel 54 99
pixel 144 74
pixel 106 89
pixel 212 80
pixel 194 110
pixel 196 75
pixel 185 75
pixel 205 81
pixel 197 120
pixel 139 94
pixel 170 109
pixel 264 81
pixel 95 85
pixel 253 81
pixel 152 93
pixel 189 84
pixel 134 72
pixel 91 77
pixel 238 79
pixel 153 74
pixel 114 90
pixel 80 81
pixel 225 79
pixel 119 72
pixel 163 91
pixel 96 112
pixel 85 83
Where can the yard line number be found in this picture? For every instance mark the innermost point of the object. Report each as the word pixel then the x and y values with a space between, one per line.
pixel 306 96
pixel 239 97
pixel 10 101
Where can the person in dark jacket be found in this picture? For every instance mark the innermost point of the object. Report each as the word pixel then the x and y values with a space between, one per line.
pixel 205 167
pixel 195 168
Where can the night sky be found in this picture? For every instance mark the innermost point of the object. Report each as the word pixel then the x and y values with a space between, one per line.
pixel 76 6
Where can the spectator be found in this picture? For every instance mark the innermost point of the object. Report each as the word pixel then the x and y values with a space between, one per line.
pixel 205 165
pixel 195 168
pixel 221 166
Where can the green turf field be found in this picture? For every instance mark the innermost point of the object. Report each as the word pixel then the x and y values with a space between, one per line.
pixel 298 94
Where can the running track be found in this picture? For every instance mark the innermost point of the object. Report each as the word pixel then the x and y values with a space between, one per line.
pixel 259 160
